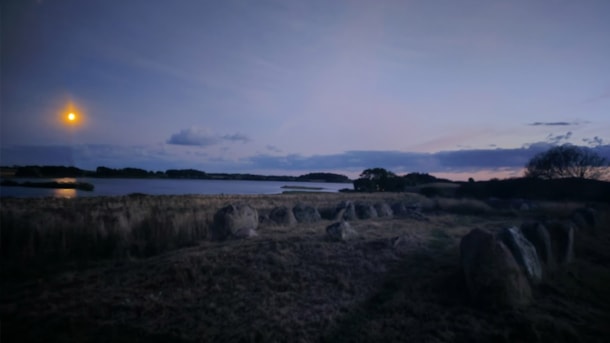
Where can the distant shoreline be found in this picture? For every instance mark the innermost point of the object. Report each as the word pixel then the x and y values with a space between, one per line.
pixel 136 173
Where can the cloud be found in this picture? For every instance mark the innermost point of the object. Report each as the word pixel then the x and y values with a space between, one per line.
pixel 237 137
pixel 193 136
pixel 403 162
pixel 202 137
pixel 398 161
pixel 556 123
pixel 558 139
pixel 595 141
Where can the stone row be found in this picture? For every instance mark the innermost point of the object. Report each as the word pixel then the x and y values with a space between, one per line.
pixel 240 220
pixel 500 270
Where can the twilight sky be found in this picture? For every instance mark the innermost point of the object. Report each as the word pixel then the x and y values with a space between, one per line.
pixel 453 88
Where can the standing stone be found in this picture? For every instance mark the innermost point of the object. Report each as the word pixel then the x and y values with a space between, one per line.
pixel 562 240
pixel 346 211
pixel 538 235
pixel 493 277
pixel 365 211
pixel 306 214
pixel 282 215
pixel 400 208
pixel 524 253
pixel 236 220
pixel 340 231
pixel 383 209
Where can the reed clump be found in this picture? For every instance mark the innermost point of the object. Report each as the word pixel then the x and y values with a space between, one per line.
pixel 56 230
pixel 88 228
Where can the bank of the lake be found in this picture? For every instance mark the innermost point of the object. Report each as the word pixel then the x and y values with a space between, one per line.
pixel 113 187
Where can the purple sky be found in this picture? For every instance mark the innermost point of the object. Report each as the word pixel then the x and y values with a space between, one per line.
pixel 287 87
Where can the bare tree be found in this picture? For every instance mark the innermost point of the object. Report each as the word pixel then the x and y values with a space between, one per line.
pixel 568 161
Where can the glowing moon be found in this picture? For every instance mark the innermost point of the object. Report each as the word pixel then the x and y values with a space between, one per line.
pixel 71 117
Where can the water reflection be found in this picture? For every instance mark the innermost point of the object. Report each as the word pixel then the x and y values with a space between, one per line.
pixel 65 180
pixel 64 193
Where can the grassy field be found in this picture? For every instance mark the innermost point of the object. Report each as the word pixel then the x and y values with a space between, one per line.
pixel 142 269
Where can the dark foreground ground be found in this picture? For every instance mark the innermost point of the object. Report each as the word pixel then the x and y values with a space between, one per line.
pixel 292 284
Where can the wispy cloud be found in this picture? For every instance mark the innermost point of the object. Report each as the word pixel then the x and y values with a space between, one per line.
pixel 595 141
pixel 203 137
pixel 558 139
pixel 555 123
pixel 237 137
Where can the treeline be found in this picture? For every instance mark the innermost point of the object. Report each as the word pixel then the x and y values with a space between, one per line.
pixel 382 180
pixel 105 172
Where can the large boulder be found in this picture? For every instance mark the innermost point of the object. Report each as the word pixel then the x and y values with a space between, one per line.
pixel 340 231
pixel 524 253
pixel 400 208
pixel 493 277
pixel 235 220
pixel 346 211
pixel 282 215
pixel 365 210
pixel 383 209
pixel 306 214
pixel 538 235
pixel 562 240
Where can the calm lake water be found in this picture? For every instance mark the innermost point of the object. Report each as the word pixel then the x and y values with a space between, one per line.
pixel 108 187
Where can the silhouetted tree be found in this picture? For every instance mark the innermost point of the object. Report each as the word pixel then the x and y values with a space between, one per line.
pixel 379 180
pixel 567 161
pixel 376 174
